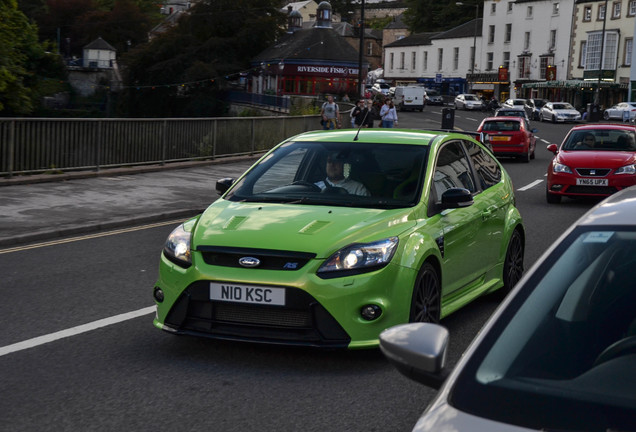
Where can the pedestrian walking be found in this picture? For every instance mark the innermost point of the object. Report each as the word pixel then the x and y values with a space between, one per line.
pixel 388 114
pixel 330 114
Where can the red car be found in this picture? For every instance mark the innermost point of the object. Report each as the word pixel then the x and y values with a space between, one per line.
pixel 509 136
pixel 593 160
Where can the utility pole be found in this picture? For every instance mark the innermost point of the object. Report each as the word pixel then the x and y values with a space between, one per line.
pixel 360 57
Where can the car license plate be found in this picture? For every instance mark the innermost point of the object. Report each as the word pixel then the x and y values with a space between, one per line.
pixel 591 182
pixel 247 294
pixel 499 138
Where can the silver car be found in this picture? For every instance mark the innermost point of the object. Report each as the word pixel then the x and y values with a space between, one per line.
pixel 467 101
pixel 559 112
pixel 560 351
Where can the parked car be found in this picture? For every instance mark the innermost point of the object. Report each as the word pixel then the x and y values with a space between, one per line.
pixel 382 88
pixel 516 102
pixel 621 111
pixel 433 97
pixel 512 112
pixel 467 102
pixel 557 355
pixel 559 112
pixel 333 236
pixel 593 160
pixel 533 107
pixel 509 136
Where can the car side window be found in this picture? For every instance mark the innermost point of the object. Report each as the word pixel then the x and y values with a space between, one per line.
pixel 487 168
pixel 452 170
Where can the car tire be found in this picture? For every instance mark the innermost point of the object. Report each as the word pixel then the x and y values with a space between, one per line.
pixel 552 198
pixel 426 302
pixel 525 158
pixel 541 119
pixel 513 263
pixel 606 116
pixel 554 119
pixel 532 155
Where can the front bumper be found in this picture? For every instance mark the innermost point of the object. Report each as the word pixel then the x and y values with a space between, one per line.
pixel 564 184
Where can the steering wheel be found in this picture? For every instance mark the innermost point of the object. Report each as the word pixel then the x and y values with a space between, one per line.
pixel 335 190
pixel 619 348
pixel 313 187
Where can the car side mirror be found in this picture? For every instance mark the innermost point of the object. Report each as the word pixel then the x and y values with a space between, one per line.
pixel 553 148
pixel 457 198
pixel 222 185
pixel 418 351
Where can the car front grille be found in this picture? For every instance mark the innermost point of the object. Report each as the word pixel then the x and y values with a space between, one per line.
pixel 303 321
pixel 268 259
pixel 592 172
pixel 591 190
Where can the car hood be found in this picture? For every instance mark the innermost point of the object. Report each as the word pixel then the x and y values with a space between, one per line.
pixel 596 159
pixel 566 111
pixel 293 227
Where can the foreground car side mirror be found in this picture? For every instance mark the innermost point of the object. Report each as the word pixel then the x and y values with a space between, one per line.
pixel 553 148
pixel 456 198
pixel 418 351
pixel 222 185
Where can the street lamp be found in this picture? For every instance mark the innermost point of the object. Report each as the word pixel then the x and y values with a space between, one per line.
pixel 474 56
pixel 361 49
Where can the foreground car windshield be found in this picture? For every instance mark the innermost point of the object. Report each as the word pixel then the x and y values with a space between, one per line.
pixel 562 356
pixel 341 174
pixel 601 139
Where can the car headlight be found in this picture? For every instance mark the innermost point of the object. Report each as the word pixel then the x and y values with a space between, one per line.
pixel 177 246
pixel 627 169
pixel 560 168
pixel 358 256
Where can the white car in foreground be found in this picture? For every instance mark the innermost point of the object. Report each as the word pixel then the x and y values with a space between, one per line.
pixel 559 354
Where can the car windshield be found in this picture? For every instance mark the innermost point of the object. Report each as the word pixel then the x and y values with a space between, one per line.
pixel 562 106
pixel 507 125
pixel 539 103
pixel 471 98
pixel 601 139
pixel 519 102
pixel 511 113
pixel 547 363
pixel 341 174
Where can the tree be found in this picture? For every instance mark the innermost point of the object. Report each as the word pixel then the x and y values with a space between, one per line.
pixel 24 65
pixel 183 72
pixel 433 15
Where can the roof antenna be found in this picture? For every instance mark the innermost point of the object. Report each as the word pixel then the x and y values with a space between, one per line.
pixel 355 138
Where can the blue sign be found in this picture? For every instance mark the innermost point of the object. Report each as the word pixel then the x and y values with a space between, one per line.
pixel 438 78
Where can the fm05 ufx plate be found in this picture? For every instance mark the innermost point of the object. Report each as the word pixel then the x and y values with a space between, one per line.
pixel 591 182
pixel 228 292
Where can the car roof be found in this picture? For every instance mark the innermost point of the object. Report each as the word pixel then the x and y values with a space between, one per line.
pixel 392 136
pixel 504 118
pixel 617 209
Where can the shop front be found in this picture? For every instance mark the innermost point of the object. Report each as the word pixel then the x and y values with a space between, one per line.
pixel 578 93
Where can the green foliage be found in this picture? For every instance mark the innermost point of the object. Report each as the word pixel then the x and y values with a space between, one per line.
pixel 434 15
pixel 216 39
pixel 378 23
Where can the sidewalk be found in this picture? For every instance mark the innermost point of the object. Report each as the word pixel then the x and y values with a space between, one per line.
pixel 44 207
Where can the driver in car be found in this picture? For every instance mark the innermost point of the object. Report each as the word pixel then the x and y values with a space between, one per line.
pixel 336 178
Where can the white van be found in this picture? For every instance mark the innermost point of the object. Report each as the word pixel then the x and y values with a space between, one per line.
pixel 410 98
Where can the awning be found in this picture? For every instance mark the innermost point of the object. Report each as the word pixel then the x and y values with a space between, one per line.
pixel 572 84
pixel 480 86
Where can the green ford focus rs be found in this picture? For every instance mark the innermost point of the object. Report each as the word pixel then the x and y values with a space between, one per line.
pixel 334 236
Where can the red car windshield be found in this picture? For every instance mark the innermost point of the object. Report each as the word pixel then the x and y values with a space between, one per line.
pixel 601 139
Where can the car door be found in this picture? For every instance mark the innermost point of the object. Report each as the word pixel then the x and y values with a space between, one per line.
pixel 460 229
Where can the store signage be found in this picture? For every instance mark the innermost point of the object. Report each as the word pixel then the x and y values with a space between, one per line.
pixel 316 70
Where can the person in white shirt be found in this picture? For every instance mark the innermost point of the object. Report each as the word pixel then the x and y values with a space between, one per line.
pixel 389 114
pixel 330 114
pixel 336 178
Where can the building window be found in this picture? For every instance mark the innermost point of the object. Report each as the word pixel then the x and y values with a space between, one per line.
pixel 506 59
pixel 510 7
pixel 370 48
pixel 555 8
pixel 489 61
pixel 413 60
pixel 543 67
pixel 402 60
pixel 601 13
pixel 508 34
pixel 582 54
pixel 391 58
pixel 529 12
pixel 627 56
pixel 587 13
pixel 631 8
pixel 616 10
pixel 491 34
pixel 552 43
pixel 526 41
pixel 425 60
pixel 524 67
pixel 455 58
pixel 493 8
pixel 440 57
pixel 593 48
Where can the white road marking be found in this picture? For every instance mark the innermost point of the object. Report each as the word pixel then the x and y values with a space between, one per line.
pixel 73 331
pixel 530 186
